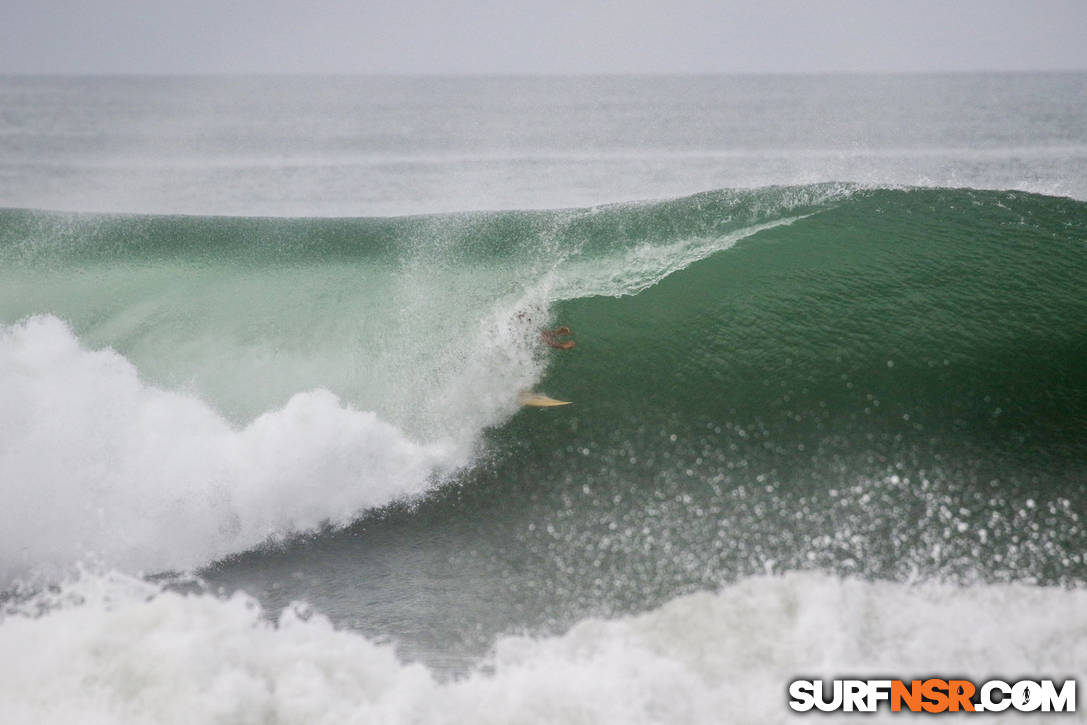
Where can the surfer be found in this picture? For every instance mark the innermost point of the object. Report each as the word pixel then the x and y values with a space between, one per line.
pixel 548 337
pixel 551 337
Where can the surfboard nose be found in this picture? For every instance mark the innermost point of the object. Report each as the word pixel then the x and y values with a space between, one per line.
pixel 539 400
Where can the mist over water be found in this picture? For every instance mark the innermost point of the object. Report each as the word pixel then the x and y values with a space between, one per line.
pixel 828 389
pixel 364 146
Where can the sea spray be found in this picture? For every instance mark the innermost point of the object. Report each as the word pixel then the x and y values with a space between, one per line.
pixel 97 464
pixel 110 649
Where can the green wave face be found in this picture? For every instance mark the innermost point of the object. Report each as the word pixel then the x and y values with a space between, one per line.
pixel 881 382
pixel 894 386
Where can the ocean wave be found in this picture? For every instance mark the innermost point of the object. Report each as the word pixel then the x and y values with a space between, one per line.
pixel 301 372
pixel 176 426
pixel 111 649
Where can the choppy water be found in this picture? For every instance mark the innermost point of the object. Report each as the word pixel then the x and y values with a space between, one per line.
pixel 808 417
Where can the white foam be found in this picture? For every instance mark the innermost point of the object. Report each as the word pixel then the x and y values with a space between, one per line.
pixel 117 650
pixel 94 463
pixel 639 268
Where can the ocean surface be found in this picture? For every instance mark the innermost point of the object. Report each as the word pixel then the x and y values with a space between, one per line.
pixel 262 341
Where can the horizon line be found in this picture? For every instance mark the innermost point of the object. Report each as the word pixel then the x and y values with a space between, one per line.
pixel 522 74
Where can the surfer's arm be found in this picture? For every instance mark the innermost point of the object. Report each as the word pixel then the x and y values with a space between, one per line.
pixel 550 337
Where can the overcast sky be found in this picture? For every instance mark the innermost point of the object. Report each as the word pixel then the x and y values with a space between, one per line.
pixel 519 36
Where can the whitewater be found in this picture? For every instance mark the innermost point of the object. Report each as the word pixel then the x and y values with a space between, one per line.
pixel 262 460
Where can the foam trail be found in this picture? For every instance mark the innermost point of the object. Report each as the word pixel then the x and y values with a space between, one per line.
pixel 111 649
pixel 95 463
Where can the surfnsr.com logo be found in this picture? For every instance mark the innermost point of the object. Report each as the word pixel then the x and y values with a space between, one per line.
pixel 932 695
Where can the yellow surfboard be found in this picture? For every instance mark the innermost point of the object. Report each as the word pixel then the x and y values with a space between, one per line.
pixel 539 400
